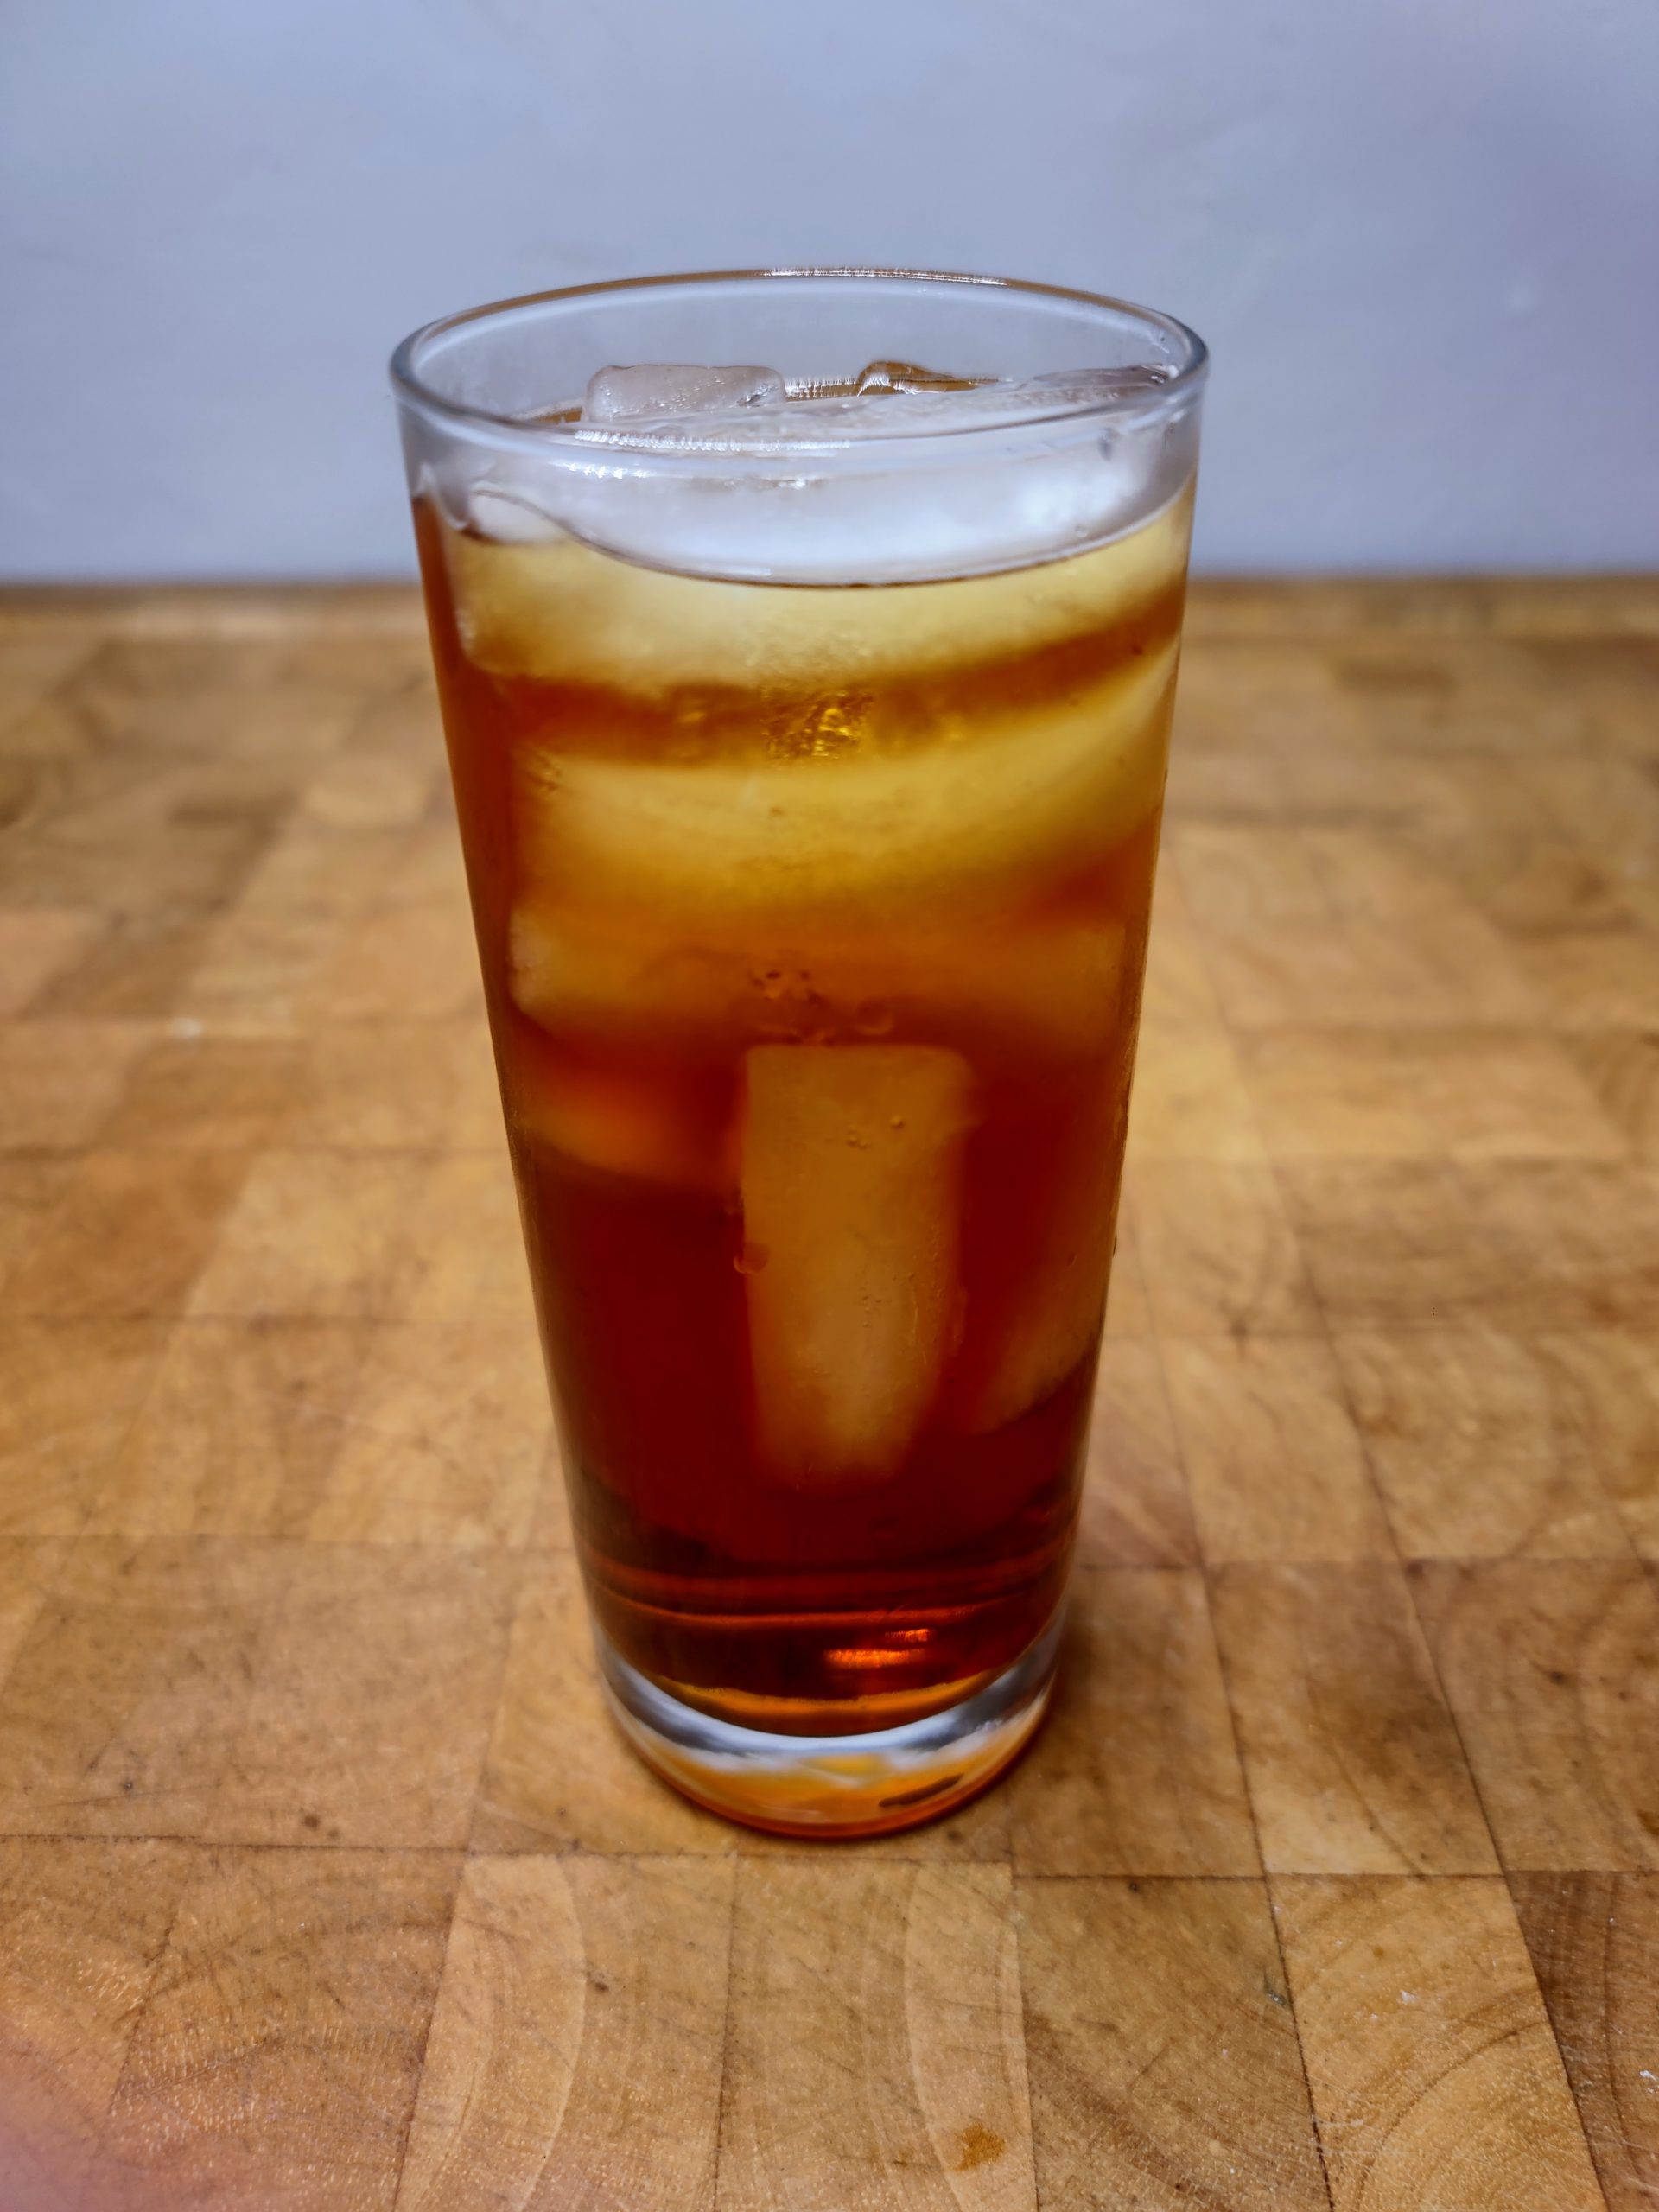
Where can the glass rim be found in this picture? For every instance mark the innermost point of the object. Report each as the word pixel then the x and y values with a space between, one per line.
pixel 412 389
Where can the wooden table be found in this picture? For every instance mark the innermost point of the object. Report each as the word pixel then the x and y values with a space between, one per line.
pixel 1334 1878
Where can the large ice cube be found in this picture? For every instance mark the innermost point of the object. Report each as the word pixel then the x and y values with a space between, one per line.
pixel 1063 1282
pixel 747 412
pixel 624 1120
pixel 851 1176
pixel 509 507
pixel 804 841
pixel 568 969
pixel 657 390
pixel 1045 986
pixel 561 612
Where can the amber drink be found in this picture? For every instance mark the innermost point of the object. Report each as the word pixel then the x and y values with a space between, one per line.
pixel 807 691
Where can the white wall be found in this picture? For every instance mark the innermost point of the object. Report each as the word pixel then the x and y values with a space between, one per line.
pixel 1422 237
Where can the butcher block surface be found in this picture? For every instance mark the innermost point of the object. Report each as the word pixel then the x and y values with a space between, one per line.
pixel 1333 1879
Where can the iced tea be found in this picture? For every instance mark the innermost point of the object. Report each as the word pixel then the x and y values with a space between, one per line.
pixel 812 919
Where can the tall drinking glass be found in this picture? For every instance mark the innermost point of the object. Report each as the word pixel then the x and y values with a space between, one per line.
pixel 807 644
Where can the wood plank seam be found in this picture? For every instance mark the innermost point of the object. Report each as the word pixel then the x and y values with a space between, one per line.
pixel 1284 1995
pixel 199 1850
pixel 1289 1999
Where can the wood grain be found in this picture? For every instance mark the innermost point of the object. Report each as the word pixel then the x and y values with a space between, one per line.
pixel 1594 1941
pixel 1436 2083
pixel 556 1777
pixel 376 1680
pixel 59 1080
pixel 1403 1244
pixel 1478 1446
pixel 384 1086
pixel 1217 1250
pixel 194 1093
pixel 1336 927
pixel 1128 1311
pixel 575 2056
pixel 410 956
pixel 129 1236
pixel 1163 2056
pixel 1595 979
pixel 1272 1460
pixel 29 1568
pixel 1135 1508
pixel 1604 1401
pixel 126 1698
pixel 32 1187
pixel 1552 1669
pixel 1353 1762
pixel 313 1236
pixel 1135 1771
pixel 1464 1095
pixel 30 668
pixel 277 2057
pixel 70 1392
pixel 237 1431
pixel 464 1256
pixel 82 1927
pixel 1591 1234
pixel 1536 1246
pixel 444 1439
pixel 1622 1068
pixel 325 1882
pixel 1191 1102
pixel 36 943
pixel 875 2055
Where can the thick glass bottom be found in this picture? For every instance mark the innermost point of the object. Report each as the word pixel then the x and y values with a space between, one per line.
pixel 834 1785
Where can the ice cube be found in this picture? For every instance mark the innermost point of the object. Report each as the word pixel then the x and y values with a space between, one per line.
pixel 562 612
pixel 1063 1274
pixel 1048 988
pixel 510 509
pixel 850 1175
pixel 1099 387
pixel 640 976
pixel 1060 462
pixel 863 837
pixel 627 1119
pixel 661 390
pixel 749 411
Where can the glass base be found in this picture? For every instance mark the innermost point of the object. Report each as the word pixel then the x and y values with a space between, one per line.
pixel 834 1785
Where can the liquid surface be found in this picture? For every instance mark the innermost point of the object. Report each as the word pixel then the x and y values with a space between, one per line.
pixel 812 922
